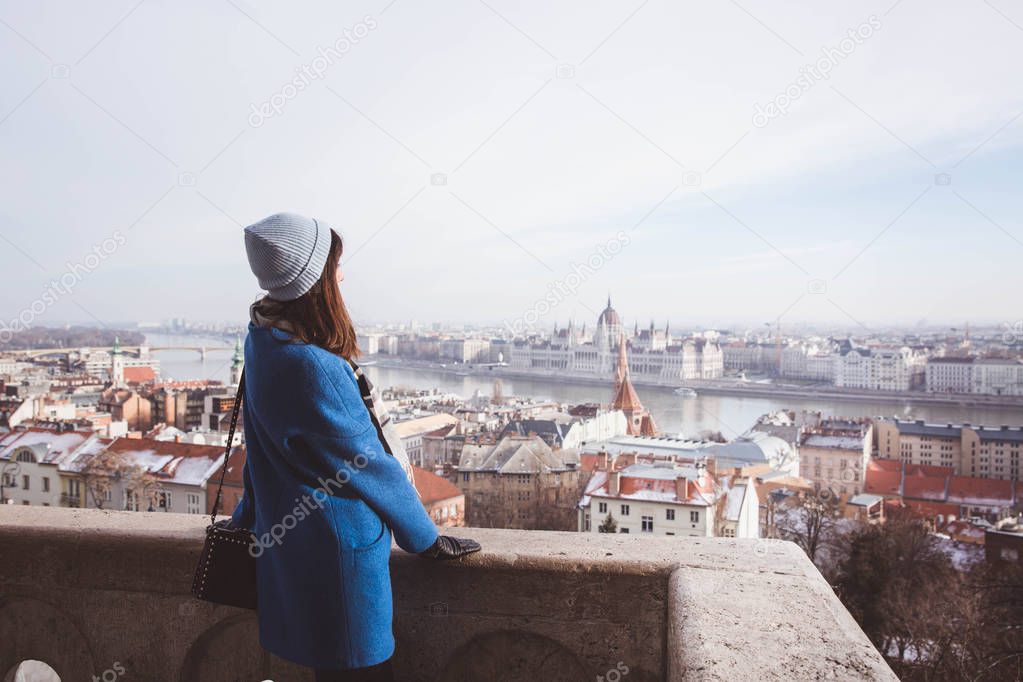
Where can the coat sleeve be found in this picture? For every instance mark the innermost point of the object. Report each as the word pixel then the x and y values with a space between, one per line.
pixel 336 444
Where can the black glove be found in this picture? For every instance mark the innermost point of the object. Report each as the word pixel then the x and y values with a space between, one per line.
pixel 450 548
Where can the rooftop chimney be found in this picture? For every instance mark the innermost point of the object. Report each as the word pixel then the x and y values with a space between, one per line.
pixel 682 488
pixel 614 479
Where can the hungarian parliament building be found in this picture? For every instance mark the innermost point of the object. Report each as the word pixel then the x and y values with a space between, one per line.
pixel 654 356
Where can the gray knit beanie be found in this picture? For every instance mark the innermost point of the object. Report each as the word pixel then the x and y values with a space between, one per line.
pixel 287 253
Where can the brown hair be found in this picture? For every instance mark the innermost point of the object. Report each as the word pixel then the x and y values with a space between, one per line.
pixel 319 316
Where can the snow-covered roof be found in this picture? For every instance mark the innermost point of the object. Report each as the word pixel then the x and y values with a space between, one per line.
pixel 57 446
pixel 733 503
pixel 516 454
pixel 597 481
pixel 652 483
pixel 865 500
pixel 817 440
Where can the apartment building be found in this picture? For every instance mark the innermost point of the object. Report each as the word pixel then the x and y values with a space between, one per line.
pixel 834 455
pixel 142 474
pixel 998 376
pixel 949 375
pixel 30 460
pixel 520 482
pixel 412 433
pixel 667 498
pixel 887 369
pixel 465 350
pixel 979 451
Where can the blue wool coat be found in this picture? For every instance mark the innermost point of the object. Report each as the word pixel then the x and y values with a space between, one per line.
pixel 322 497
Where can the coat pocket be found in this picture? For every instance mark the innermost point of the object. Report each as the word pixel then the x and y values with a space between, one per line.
pixel 358 525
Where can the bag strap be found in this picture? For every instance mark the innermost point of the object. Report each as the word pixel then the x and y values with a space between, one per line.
pixel 230 443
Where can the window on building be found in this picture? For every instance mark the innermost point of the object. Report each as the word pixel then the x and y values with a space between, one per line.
pixel 694 517
pixel 465 477
pixel 192 503
pixel 648 524
pixel 669 514
pixel 46 484
pixel 623 530
pixel 131 500
pixel 163 500
pixel 625 510
pixel 602 507
pixel 24 482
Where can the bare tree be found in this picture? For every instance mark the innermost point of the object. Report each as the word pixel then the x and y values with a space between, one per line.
pixel 99 474
pixel 144 486
pixel 810 523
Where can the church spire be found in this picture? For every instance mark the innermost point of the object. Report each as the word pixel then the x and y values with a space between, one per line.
pixel 622 366
pixel 639 422
pixel 237 362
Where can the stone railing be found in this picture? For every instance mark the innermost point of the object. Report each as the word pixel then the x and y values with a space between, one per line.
pixel 100 594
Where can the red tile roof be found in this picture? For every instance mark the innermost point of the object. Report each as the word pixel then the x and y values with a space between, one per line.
pixel 964 489
pixel 920 486
pixel 139 375
pixel 884 477
pixel 938 485
pixel 433 488
pixel 165 447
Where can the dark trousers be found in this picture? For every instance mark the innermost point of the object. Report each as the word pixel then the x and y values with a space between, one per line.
pixel 381 672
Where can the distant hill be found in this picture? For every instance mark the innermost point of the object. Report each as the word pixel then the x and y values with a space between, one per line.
pixel 70 337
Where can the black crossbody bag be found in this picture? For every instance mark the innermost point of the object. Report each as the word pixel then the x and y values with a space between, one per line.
pixel 226 573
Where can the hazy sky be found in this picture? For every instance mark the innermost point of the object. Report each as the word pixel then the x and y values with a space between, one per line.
pixel 470 153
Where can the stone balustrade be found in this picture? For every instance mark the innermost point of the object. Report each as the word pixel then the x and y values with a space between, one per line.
pixel 92 593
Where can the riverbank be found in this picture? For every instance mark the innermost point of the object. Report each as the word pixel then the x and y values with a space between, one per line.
pixel 726 387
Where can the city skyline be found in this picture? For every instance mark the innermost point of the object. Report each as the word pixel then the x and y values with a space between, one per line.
pixel 472 167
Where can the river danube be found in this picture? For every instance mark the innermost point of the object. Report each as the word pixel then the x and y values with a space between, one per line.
pixel 731 415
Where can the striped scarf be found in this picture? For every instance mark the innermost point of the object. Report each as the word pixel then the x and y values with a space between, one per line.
pixel 385 428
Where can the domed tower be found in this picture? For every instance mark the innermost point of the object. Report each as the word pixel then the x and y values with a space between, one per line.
pixel 609 327
pixel 237 362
